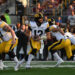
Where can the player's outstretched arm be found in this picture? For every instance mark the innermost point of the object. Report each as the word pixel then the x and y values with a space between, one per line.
pixel 8 28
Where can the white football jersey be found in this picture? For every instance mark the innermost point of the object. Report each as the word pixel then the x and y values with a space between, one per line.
pixel 38 30
pixel 71 37
pixel 5 35
pixel 58 35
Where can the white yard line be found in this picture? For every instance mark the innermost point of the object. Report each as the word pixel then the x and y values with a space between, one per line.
pixel 42 64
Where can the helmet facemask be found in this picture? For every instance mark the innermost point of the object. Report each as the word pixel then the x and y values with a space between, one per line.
pixel 38 19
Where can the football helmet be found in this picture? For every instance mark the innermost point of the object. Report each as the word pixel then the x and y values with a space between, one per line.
pixel 51 21
pixel 38 18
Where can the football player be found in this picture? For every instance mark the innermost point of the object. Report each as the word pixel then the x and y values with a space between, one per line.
pixel 9 41
pixel 39 30
pixel 62 41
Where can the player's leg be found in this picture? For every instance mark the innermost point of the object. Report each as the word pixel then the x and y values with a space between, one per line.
pixel 12 55
pixel 35 45
pixel 72 47
pixel 58 58
pixel 73 51
pixel 16 68
pixel 30 57
pixel 9 49
pixel 23 60
pixel 2 47
pixel 3 56
pixel 68 48
pixel 1 62
pixel 25 55
pixel 57 46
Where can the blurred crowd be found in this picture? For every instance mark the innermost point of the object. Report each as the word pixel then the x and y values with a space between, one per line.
pixel 47 7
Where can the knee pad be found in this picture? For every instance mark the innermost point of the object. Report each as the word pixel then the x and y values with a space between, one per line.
pixel 34 51
pixel 11 54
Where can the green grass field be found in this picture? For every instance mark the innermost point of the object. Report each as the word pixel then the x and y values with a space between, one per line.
pixel 40 71
pixel 41 68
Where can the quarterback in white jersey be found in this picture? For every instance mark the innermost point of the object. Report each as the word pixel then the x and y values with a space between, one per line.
pixel 9 41
pixel 38 33
pixel 39 30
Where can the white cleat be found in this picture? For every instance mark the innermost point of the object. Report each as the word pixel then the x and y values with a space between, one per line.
pixel 5 66
pixel 58 63
pixel 16 68
pixel 1 67
pixel 2 64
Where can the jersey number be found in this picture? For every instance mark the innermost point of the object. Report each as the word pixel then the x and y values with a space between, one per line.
pixel 38 31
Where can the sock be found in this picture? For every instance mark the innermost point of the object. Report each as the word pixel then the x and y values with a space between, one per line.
pixel 1 63
pixel 56 56
pixel 30 57
pixel 15 59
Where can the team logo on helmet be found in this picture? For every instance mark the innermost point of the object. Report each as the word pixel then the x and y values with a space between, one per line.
pixel 51 21
pixel 38 16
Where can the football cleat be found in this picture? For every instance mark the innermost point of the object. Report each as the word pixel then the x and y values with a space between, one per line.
pixel 16 68
pixel 1 67
pixel 59 62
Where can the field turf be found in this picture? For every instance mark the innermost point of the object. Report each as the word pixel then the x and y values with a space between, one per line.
pixel 39 70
